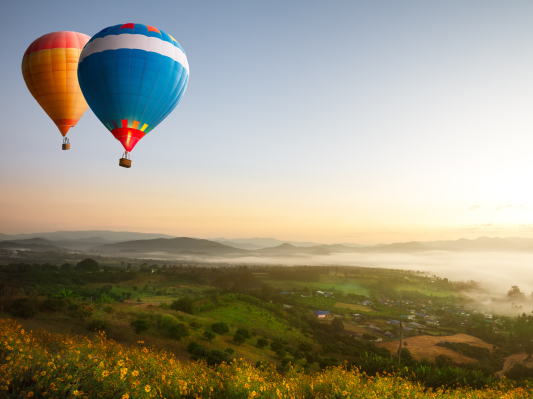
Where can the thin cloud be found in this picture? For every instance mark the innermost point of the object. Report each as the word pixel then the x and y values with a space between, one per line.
pixel 504 207
pixel 474 207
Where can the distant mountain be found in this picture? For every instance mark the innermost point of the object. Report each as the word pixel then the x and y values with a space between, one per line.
pixel 266 242
pixel 172 245
pixel 112 236
pixel 289 249
pixel 31 247
pixel 398 247
pixel 238 245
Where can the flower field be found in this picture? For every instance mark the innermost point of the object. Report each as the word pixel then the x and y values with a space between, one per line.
pixel 41 364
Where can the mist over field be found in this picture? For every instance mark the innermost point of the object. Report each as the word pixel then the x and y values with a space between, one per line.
pixel 496 272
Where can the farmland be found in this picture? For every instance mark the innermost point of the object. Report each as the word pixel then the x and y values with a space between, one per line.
pixel 425 347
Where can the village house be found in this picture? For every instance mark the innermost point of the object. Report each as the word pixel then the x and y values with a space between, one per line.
pixel 321 314
pixel 366 303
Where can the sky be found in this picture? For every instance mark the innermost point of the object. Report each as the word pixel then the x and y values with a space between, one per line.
pixel 344 121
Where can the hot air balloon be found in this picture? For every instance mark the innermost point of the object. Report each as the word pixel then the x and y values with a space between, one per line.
pixel 132 76
pixel 49 68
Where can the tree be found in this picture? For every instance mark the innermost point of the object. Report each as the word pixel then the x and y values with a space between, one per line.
pixel 443 361
pixel 369 337
pixel 23 308
pixel 209 335
pixel 220 328
pixel 184 304
pixel 140 325
pixel 87 265
pixel 406 354
pixel 178 331
pixel 515 294
pixel 135 288
pixel 195 325
pixel 337 325
pixel 66 267
pixel 244 332
pixel 239 339
pixel 529 349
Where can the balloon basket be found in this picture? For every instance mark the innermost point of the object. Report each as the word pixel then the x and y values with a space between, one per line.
pixel 66 144
pixel 125 161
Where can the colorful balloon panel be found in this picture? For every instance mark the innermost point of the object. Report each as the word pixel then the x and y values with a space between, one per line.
pixel 132 76
pixel 49 68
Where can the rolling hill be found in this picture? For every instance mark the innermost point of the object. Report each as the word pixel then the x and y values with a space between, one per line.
pixel 173 246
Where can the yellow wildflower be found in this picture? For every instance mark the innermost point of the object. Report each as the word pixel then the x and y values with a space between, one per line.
pixel 147 388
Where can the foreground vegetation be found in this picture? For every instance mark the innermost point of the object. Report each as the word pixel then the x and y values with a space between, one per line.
pixel 207 318
pixel 41 364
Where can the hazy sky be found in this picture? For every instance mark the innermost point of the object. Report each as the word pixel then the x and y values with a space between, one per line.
pixel 340 121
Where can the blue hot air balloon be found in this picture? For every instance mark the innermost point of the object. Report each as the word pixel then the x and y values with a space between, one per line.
pixel 132 77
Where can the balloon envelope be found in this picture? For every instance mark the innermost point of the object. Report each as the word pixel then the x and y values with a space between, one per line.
pixel 132 76
pixel 49 68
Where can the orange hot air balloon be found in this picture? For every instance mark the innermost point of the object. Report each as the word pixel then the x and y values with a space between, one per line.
pixel 50 70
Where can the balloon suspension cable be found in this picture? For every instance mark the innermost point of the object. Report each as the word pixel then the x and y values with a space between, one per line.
pixel 66 140
pixel 125 161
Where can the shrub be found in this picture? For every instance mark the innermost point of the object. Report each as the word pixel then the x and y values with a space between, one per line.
pixel 261 343
pixel 275 346
pixel 443 361
pixel 23 308
pixel 305 347
pixel 194 346
pixel 310 359
pixel 328 362
pixel 220 328
pixel 179 331
pixel 195 325
pixel 52 305
pixel 109 309
pixel 209 335
pixel 239 339
pixel 79 311
pixel 369 337
pixel 215 357
pixel 184 304
pixel 97 325
pixel 140 325
pixel 281 353
pixel 244 332
pixel 406 355
pixel 231 351
pixel 168 321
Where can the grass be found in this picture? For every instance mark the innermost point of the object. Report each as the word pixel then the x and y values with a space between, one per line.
pixel 41 364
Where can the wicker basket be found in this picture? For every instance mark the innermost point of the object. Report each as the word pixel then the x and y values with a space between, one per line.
pixel 66 147
pixel 125 163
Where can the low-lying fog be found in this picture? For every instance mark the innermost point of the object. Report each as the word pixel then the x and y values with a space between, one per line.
pixel 496 272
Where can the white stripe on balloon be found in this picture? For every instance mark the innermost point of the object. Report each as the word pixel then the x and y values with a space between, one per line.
pixel 140 42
